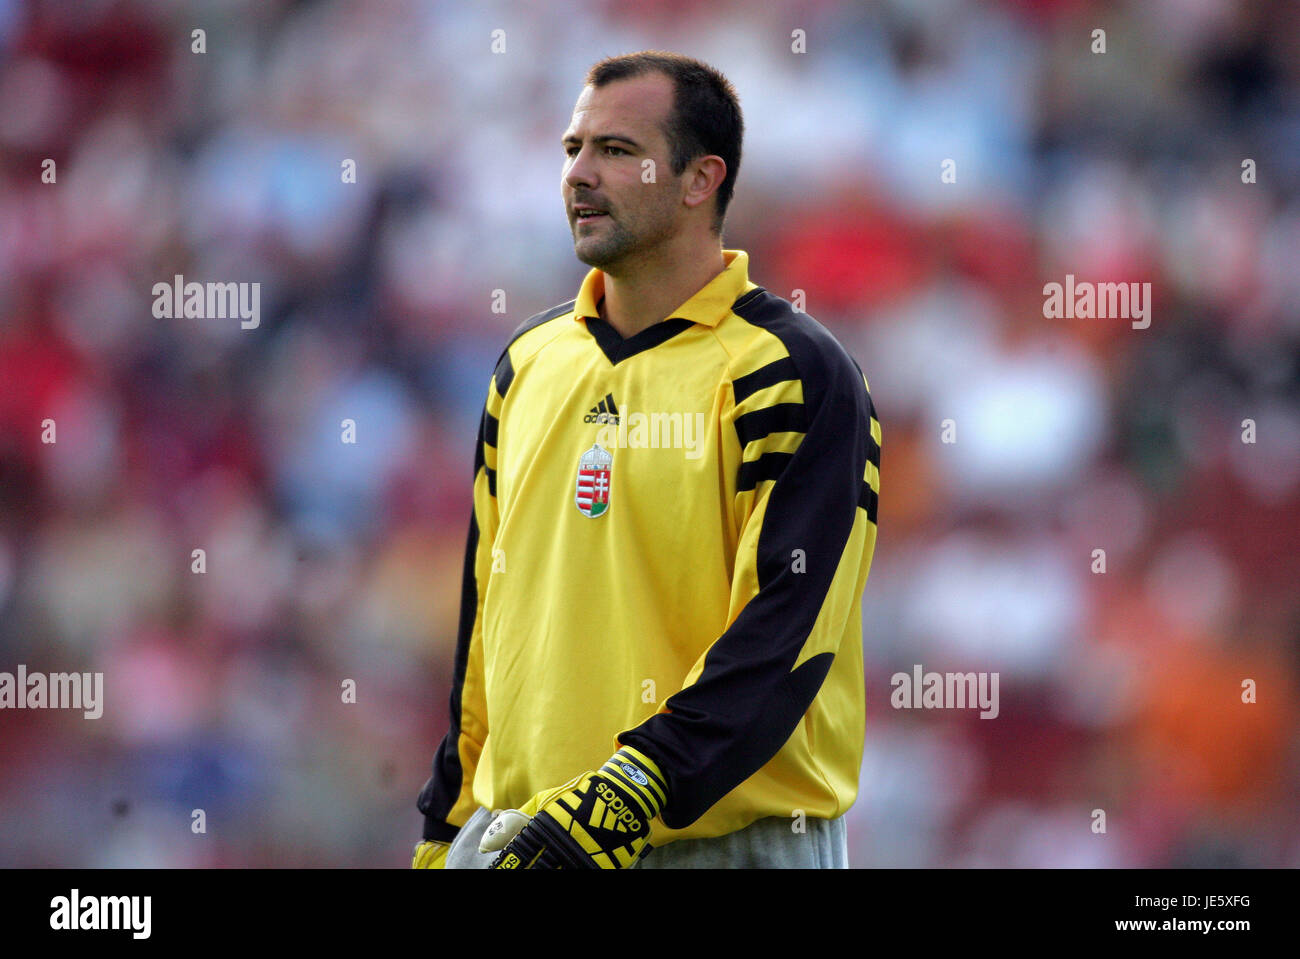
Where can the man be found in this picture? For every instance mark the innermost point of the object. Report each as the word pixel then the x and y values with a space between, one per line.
pixel 675 497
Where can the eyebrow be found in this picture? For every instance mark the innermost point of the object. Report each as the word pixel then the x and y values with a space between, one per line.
pixel 602 139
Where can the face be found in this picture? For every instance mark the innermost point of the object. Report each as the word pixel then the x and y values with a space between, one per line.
pixel 614 130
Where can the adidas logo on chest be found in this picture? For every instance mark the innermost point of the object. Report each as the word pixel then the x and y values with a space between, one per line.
pixel 603 412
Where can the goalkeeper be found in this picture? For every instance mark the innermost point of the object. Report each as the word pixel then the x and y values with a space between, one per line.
pixel 659 657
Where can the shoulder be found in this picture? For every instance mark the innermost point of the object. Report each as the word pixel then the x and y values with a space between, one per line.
pixel 779 341
pixel 528 338
pixel 539 320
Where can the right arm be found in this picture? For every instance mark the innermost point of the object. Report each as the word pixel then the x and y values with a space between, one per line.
pixel 447 799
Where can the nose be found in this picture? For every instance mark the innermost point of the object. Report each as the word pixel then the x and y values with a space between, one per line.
pixel 581 172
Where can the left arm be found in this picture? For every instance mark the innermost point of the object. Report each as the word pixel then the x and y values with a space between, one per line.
pixel 807 494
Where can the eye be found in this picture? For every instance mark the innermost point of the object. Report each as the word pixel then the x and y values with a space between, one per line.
pixel 572 149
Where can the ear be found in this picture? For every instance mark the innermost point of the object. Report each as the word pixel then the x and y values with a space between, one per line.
pixel 702 178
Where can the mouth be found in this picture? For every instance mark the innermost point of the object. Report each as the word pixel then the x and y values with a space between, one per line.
pixel 587 214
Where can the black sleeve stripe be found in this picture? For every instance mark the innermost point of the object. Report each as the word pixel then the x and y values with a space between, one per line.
pixel 778 418
pixel 871 411
pixel 492 480
pixel 769 466
pixel 442 789
pixel 490 427
pixel 480 454
pixel 869 500
pixel 776 372
pixel 505 374
pixel 873 451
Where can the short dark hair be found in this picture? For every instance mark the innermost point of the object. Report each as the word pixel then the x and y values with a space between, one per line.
pixel 706 118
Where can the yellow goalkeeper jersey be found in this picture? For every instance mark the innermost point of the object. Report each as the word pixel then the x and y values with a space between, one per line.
pixel 670 538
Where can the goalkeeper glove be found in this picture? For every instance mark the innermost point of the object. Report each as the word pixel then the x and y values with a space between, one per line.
pixel 430 854
pixel 599 820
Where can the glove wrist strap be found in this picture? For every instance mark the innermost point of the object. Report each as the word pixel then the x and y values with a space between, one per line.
pixel 637 773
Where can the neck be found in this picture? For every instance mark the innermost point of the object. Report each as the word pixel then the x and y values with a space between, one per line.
pixel 640 295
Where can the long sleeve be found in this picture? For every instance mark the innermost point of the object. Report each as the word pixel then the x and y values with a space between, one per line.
pixel 805 503
pixel 447 797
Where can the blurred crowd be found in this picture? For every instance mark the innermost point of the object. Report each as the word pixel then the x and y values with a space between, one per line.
pixel 1121 690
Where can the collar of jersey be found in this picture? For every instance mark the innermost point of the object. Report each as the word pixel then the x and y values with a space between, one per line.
pixel 708 306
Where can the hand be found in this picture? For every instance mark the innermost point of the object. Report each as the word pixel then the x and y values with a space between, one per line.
pixel 599 820
pixel 430 854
